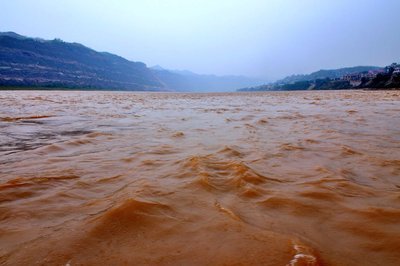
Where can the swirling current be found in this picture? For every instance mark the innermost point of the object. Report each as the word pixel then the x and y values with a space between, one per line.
pixel 274 178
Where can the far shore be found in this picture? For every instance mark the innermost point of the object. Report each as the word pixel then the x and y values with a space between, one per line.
pixel 163 91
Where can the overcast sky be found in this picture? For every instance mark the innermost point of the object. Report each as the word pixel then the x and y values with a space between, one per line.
pixel 261 38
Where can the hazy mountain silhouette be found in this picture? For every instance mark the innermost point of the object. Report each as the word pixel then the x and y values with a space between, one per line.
pixel 34 62
pixel 184 80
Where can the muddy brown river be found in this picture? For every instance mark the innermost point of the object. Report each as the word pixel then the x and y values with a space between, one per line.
pixel 275 178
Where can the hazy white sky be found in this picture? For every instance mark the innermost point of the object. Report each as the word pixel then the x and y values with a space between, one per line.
pixel 264 38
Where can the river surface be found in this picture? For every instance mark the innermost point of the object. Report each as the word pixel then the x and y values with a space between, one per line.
pixel 275 178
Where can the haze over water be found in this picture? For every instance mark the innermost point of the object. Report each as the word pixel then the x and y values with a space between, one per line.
pixel 115 178
pixel 257 38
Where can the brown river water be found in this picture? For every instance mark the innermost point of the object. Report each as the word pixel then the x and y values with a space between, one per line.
pixel 275 178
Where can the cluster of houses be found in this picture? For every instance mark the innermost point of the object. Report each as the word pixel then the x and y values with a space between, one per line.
pixel 355 79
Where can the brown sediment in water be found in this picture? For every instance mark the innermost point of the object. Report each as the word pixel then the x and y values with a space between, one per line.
pixel 289 178
pixel 13 119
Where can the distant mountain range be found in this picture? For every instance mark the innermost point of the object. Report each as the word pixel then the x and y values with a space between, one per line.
pixel 35 62
pixel 184 80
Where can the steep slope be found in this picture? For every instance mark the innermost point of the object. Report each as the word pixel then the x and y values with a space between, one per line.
pixel 35 62
pixel 390 80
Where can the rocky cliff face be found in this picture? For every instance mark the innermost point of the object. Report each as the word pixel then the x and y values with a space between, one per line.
pixel 40 63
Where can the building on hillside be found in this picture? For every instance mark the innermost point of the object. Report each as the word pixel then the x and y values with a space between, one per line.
pixel 372 73
pixel 355 79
